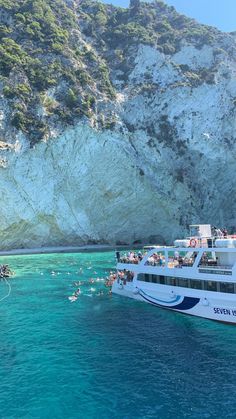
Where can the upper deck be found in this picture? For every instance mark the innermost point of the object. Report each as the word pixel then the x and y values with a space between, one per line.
pixel 194 258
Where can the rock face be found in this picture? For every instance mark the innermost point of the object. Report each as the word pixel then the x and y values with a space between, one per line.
pixel 83 187
pixel 166 159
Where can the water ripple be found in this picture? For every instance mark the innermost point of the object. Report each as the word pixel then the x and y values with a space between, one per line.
pixel 104 357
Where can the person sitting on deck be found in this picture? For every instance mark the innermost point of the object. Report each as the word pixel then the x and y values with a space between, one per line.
pixel 181 261
pixel 225 233
pixel 140 256
pixel 204 259
pixel 219 233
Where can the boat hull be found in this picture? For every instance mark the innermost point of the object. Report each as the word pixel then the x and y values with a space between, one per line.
pixel 213 306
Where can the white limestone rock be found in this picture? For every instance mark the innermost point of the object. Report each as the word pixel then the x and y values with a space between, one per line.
pixel 169 162
pixel 195 58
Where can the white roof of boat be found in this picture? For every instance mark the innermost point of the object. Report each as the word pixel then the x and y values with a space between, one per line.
pixel 197 225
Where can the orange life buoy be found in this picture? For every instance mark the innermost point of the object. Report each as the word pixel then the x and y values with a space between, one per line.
pixel 193 242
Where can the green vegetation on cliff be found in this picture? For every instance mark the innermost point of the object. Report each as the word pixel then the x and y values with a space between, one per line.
pixel 149 23
pixel 41 48
pixel 57 56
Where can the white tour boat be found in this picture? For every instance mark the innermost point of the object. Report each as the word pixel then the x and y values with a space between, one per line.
pixel 196 276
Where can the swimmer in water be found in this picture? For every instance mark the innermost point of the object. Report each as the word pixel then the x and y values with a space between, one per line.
pixel 72 298
pixel 79 283
pixel 77 292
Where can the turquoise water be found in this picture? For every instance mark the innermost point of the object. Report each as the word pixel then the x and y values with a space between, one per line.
pixel 105 356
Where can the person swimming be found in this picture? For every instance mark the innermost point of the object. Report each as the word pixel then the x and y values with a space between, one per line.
pixel 79 283
pixel 72 298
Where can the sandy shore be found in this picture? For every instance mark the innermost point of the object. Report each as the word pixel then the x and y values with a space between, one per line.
pixel 59 249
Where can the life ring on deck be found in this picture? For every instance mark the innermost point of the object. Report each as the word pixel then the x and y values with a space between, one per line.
pixel 193 243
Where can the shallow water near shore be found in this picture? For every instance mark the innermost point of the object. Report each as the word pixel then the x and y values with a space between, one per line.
pixel 105 356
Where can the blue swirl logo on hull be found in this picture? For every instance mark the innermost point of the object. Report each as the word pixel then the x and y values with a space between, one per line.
pixel 186 304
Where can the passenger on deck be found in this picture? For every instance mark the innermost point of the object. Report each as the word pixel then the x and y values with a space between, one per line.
pixel 204 259
pixel 118 256
pixel 129 276
pixel 224 232
pixel 140 256
pixel 181 261
pixel 219 233
pixel 214 231
pixel 176 255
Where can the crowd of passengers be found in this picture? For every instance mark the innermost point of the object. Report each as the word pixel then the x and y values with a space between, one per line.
pixel 219 233
pixel 125 276
pixel 131 257
pixel 157 259
pixel 180 261
pixel 176 261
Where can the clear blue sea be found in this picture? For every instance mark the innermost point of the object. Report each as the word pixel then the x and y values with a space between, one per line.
pixel 105 356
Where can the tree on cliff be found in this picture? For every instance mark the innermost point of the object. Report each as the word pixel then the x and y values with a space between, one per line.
pixel 134 5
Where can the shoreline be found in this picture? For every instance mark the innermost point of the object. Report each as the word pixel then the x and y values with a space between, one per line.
pixel 64 249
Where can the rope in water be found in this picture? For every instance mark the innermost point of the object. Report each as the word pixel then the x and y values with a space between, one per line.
pixel 9 290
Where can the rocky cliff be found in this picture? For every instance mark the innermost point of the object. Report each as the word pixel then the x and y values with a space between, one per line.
pixel 117 125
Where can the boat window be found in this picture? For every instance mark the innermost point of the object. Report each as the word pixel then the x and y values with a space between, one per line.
pixel 162 280
pixel 195 284
pixel 171 281
pixel 210 285
pixel 182 282
pixel 140 277
pixel 189 283
pixel 225 287
pixel 155 279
